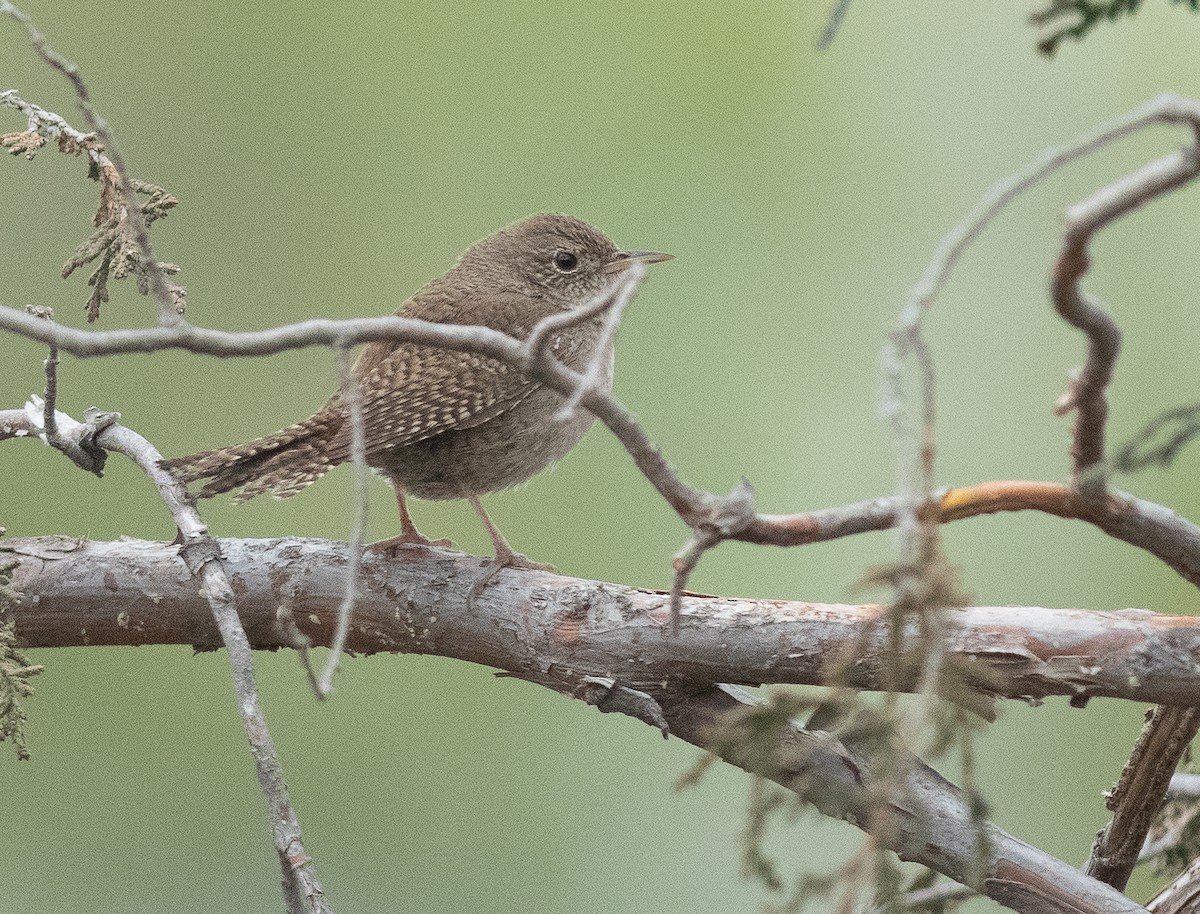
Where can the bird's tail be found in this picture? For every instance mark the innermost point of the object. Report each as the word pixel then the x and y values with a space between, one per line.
pixel 283 463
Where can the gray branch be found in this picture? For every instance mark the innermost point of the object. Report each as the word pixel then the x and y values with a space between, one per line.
pixel 1181 895
pixel 611 645
pixel 559 631
pixel 915 440
pixel 1152 660
pixel 199 558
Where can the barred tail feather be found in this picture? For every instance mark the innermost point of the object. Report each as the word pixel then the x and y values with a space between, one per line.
pixel 283 463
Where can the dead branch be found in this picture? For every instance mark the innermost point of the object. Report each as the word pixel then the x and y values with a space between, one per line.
pixel 1139 793
pixel 1169 731
pixel 199 555
pixel 1182 895
pixel 915 440
pixel 930 821
pixel 590 640
pixel 552 628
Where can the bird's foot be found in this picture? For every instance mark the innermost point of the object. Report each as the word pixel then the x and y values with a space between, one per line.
pixel 506 558
pixel 407 539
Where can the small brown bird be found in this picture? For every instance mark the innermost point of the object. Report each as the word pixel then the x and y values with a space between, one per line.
pixel 440 424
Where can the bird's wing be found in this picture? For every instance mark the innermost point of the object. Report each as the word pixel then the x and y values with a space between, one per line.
pixel 415 392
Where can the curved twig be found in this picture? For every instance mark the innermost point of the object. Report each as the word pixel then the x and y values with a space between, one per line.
pixel 1087 395
pixel 201 559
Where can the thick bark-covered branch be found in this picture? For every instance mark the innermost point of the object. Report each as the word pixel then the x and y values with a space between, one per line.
pixel 608 644
pixel 611 646
pixel 547 627
pixel 929 821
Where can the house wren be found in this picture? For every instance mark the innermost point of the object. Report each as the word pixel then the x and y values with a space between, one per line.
pixel 441 424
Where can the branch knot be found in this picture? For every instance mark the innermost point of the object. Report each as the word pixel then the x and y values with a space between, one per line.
pixel 608 695
pixel 75 439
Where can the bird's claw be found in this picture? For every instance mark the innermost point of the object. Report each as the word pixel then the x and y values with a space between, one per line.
pixel 409 539
pixel 506 559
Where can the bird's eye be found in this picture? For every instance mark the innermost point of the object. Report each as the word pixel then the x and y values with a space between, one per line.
pixel 565 262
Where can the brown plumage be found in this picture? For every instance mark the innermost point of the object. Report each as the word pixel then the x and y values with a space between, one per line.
pixel 441 424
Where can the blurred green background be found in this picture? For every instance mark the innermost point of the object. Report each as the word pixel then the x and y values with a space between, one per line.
pixel 330 159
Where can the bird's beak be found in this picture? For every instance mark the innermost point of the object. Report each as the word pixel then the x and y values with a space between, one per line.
pixel 623 260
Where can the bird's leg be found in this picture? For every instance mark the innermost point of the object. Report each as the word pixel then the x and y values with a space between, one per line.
pixel 505 556
pixel 409 534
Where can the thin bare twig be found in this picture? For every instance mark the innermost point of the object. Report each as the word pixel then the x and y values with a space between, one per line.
pixel 301 889
pixel 915 481
pixel 622 295
pixel 1083 221
pixel 50 394
pixel 711 518
pixel 684 563
pixel 1168 731
pixel 351 394
pixel 915 478
pixel 79 446
pixel 723 517
pixel 692 505
pixel 537 344
pixel 300 643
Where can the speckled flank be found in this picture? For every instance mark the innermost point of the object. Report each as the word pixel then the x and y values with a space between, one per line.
pixel 440 423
